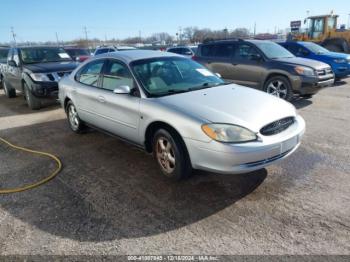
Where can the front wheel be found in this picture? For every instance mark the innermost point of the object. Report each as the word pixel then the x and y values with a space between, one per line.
pixel 279 86
pixel 32 102
pixel 75 123
pixel 171 155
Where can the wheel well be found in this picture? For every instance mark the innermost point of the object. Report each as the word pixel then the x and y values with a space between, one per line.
pixel 152 128
pixel 274 75
pixel 66 102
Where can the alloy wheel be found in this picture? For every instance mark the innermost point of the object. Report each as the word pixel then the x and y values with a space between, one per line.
pixel 73 117
pixel 277 88
pixel 165 155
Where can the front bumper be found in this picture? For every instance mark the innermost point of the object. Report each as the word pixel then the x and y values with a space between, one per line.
pixel 246 157
pixel 341 70
pixel 305 85
pixel 48 90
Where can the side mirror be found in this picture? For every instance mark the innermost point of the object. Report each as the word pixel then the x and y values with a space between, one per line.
pixel 256 57
pixel 122 90
pixel 12 63
pixel 188 53
pixel 218 75
pixel 305 53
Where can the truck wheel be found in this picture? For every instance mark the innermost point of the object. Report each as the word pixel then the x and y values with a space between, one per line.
pixel 32 102
pixel 279 86
pixel 171 155
pixel 9 92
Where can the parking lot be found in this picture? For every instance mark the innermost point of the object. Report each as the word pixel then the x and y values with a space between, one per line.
pixel 111 199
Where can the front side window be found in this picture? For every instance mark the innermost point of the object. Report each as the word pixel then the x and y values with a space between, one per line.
pixel 208 50
pixel 44 55
pixel 273 50
pixel 246 52
pixel 171 75
pixel 90 73
pixel 3 54
pixel 116 75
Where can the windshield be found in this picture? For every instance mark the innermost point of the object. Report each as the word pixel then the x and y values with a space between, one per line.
pixel 273 50
pixel 171 75
pixel 3 53
pixel 317 49
pixel 77 52
pixel 44 55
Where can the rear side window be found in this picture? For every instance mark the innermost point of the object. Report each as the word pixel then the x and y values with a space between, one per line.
pixel 208 50
pixel 116 75
pixel 225 50
pixel 90 73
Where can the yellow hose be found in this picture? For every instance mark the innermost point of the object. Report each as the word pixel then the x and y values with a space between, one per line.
pixel 41 182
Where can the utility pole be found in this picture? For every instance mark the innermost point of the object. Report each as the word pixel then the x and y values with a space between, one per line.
pixel 13 34
pixel 349 22
pixel 58 42
pixel 140 36
pixel 254 28
pixel 86 34
pixel 180 34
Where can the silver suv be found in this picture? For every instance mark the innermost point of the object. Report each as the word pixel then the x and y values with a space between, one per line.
pixel 188 117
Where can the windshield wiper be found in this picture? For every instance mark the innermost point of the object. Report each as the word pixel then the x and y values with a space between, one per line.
pixel 208 85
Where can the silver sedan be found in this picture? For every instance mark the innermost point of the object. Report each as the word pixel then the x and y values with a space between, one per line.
pixel 175 108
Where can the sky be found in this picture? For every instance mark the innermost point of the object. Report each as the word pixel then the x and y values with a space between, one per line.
pixel 40 20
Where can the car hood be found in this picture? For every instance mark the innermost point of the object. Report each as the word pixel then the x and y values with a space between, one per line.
pixel 334 55
pixel 52 67
pixel 303 62
pixel 232 104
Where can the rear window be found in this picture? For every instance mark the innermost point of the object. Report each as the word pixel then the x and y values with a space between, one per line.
pixel 103 50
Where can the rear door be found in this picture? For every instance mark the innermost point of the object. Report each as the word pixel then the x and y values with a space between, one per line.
pixel 219 58
pixel 86 92
pixel 248 69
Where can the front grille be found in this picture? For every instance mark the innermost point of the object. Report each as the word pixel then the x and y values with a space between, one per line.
pixel 277 126
pixel 324 71
pixel 56 76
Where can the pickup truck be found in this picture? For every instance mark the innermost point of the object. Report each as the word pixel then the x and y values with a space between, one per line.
pixel 3 57
pixel 35 71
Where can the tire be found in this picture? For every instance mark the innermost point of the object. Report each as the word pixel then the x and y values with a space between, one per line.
pixel 171 154
pixel 1 84
pixel 306 96
pixel 279 86
pixel 75 123
pixel 334 48
pixel 9 92
pixel 32 102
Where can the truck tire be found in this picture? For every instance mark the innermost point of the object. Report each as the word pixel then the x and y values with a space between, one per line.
pixel 334 48
pixel 9 92
pixel 32 102
pixel 279 86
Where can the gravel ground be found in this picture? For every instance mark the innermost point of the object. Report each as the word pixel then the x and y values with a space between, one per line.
pixel 110 198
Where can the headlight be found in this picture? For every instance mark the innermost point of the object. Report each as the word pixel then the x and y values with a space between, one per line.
pixel 39 77
pixel 228 133
pixel 305 71
pixel 340 61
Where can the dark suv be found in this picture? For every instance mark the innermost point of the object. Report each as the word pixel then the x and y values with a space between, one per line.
pixel 265 65
pixel 35 71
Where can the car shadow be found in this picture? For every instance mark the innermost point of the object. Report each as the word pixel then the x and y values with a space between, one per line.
pixel 18 106
pixel 300 102
pixel 108 189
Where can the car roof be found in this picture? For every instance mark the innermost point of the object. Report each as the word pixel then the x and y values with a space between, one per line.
pixel 133 55
pixel 253 41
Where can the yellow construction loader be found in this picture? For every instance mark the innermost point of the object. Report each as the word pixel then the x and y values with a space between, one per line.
pixel 322 29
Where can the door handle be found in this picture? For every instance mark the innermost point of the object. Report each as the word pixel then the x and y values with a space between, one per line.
pixel 234 64
pixel 101 99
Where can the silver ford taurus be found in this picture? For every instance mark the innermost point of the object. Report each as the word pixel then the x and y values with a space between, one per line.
pixel 175 108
